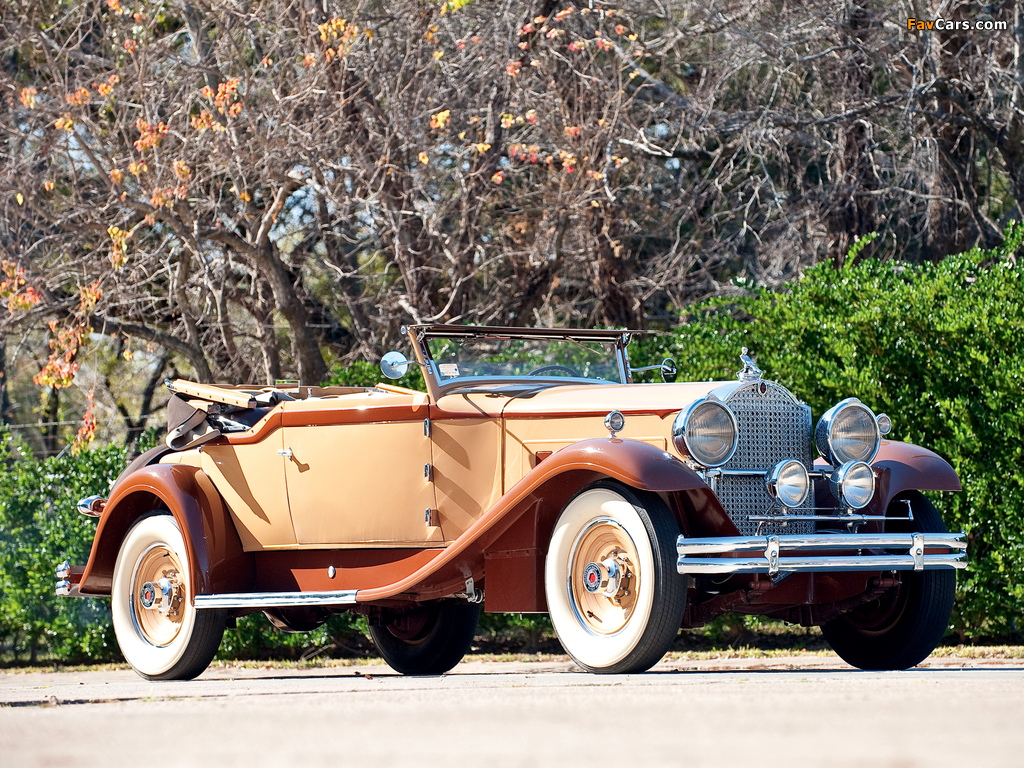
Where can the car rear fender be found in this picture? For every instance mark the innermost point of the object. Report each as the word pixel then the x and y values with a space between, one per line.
pixel 215 556
pixel 521 521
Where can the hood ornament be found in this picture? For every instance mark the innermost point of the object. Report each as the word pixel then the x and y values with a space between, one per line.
pixel 750 371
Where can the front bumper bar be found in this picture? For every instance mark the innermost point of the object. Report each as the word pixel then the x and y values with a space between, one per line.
pixel 852 552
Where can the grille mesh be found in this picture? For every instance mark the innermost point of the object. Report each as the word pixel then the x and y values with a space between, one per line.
pixel 772 427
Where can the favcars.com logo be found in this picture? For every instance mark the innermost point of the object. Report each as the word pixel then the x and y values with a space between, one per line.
pixel 951 25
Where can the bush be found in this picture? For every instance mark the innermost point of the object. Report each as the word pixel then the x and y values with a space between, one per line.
pixel 937 347
pixel 39 528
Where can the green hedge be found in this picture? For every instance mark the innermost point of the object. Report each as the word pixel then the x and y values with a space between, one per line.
pixel 40 527
pixel 935 346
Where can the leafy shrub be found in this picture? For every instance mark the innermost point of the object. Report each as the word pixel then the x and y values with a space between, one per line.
pixel 39 528
pixel 937 347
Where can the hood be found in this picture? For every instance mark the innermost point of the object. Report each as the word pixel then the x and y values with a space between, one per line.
pixel 598 400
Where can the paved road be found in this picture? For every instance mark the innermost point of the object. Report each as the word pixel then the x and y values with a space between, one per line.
pixel 811 711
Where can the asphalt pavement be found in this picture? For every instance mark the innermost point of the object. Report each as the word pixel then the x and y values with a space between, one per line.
pixel 801 711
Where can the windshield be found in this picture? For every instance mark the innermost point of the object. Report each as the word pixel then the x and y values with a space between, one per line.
pixel 488 360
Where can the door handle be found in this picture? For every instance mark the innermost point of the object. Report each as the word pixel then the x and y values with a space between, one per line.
pixel 286 452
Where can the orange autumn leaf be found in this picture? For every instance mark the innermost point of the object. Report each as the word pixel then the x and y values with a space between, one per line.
pixel 441 119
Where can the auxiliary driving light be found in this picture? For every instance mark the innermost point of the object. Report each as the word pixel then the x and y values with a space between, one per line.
pixel 788 482
pixel 853 484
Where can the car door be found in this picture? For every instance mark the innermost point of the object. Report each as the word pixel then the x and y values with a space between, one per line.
pixel 249 473
pixel 467 448
pixel 358 471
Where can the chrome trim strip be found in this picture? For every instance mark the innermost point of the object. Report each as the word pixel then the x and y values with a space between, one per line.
pixel 820 518
pixel 773 553
pixel 821 473
pixel 275 599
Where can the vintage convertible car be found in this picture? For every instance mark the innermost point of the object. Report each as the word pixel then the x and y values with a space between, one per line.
pixel 531 476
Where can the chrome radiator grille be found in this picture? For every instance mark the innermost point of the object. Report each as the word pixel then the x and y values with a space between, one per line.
pixel 772 427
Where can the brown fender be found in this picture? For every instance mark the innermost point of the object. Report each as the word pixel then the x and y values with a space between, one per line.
pixel 215 557
pixel 903 467
pixel 546 488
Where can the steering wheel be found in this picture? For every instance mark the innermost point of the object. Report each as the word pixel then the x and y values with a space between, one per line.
pixel 545 368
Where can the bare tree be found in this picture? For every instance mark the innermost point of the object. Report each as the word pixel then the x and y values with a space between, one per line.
pixel 262 188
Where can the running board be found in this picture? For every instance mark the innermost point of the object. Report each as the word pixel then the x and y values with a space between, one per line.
pixel 260 600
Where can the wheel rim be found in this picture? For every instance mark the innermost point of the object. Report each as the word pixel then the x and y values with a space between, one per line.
pixel 881 615
pixel 603 576
pixel 157 621
pixel 413 626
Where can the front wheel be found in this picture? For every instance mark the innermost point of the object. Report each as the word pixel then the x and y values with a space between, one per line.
pixel 429 639
pixel 615 598
pixel 161 634
pixel 902 627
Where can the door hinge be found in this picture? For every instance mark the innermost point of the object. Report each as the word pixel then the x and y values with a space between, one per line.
pixel 426 427
pixel 428 473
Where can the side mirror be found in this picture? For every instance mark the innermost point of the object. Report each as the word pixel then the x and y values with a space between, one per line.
pixel 394 365
pixel 669 370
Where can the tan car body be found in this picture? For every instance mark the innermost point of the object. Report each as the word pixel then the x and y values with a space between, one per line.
pixel 404 496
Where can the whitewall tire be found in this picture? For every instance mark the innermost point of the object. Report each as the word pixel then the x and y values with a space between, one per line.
pixel 161 634
pixel 614 596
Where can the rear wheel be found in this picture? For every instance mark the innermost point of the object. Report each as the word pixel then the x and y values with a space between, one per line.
pixel 429 639
pixel 615 598
pixel 161 634
pixel 902 627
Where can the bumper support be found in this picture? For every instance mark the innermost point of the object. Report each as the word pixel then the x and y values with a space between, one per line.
pixel 847 552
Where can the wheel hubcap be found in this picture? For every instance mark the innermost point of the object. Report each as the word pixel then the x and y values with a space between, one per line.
pixel 157 595
pixel 603 577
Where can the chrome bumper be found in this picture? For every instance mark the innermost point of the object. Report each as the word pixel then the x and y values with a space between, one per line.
pixel 854 552
pixel 68 579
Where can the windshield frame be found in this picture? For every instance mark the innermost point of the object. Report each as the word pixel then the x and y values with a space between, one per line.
pixel 419 335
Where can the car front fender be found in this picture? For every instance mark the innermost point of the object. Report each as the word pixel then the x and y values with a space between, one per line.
pixel 901 467
pixel 216 560
pixel 909 466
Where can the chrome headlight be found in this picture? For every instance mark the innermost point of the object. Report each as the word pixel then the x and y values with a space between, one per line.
pixel 853 484
pixel 846 432
pixel 788 482
pixel 707 431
